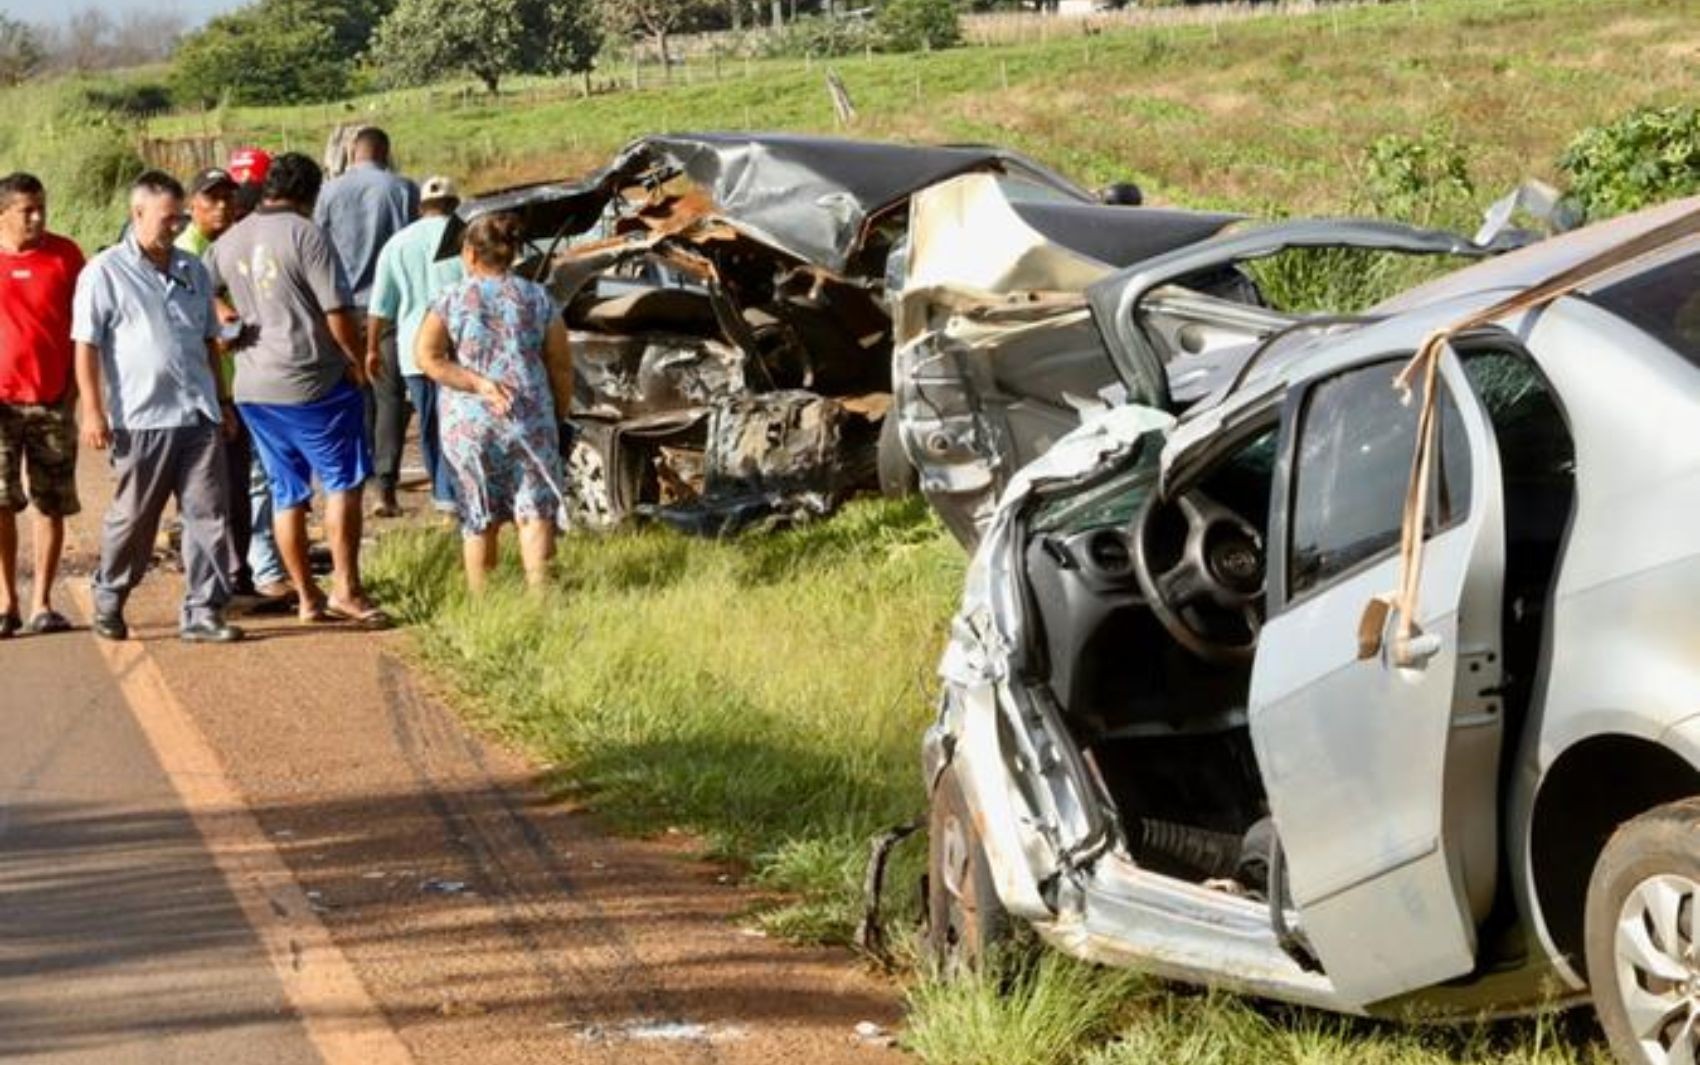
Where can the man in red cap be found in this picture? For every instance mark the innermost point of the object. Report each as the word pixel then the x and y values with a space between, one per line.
pixel 248 168
pixel 38 430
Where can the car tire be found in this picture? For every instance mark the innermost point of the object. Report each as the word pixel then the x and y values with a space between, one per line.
pixel 965 921
pixel 1644 891
pixel 898 476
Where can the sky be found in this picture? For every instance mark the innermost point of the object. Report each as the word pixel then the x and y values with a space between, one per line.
pixel 194 11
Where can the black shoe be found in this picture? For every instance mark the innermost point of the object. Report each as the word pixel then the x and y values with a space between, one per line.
pixel 110 627
pixel 219 631
pixel 10 625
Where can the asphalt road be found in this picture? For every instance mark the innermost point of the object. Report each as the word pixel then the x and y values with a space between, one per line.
pixel 287 850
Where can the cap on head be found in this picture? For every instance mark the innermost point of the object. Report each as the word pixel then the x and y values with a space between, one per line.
pixel 438 187
pixel 211 179
pixel 249 166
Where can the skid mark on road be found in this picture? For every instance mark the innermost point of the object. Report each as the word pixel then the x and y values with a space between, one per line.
pixel 514 865
pixel 344 1024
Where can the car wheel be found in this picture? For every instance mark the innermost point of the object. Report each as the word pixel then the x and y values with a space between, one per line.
pixel 1642 936
pixel 590 499
pixel 965 921
pixel 898 477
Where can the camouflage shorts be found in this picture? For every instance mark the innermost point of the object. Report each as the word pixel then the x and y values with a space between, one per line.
pixel 39 441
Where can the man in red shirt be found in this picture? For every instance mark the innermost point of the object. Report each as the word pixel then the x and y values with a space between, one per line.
pixel 38 430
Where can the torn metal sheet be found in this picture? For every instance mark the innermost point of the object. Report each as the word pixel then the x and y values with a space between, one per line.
pixel 809 197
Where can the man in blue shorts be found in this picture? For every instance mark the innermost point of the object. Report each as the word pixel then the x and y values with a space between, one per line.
pixel 298 380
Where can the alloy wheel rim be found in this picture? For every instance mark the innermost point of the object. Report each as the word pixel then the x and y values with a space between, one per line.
pixel 1658 971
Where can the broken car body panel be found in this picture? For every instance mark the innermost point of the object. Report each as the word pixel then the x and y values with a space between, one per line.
pixel 997 352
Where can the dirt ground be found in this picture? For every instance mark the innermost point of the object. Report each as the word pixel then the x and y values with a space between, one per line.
pixel 485 922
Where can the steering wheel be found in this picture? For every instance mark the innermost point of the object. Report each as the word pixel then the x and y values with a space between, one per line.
pixel 1215 583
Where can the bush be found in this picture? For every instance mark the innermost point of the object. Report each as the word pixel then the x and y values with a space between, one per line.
pixel 919 25
pixel 820 37
pixel 255 56
pixel 1424 180
pixel 130 99
pixel 1643 158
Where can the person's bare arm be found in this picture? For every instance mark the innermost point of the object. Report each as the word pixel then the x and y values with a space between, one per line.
pixel 375 326
pixel 432 352
pixel 347 337
pixel 96 430
pixel 558 360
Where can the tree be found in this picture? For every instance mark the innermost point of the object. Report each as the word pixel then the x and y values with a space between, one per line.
pixel 274 52
pixel 568 34
pixel 655 19
pixel 20 51
pixel 422 40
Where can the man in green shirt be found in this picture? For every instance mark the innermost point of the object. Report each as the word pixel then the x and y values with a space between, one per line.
pixel 407 276
pixel 212 210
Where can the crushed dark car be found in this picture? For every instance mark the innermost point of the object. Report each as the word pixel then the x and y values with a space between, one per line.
pixel 726 297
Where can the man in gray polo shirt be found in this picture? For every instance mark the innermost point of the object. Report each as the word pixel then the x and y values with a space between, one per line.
pixel 360 211
pixel 147 372
pixel 298 381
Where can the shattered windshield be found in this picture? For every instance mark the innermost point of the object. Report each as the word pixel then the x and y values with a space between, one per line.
pixel 1111 502
pixel 1663 301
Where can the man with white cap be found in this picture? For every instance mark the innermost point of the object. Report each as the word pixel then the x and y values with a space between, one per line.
pixel 407 276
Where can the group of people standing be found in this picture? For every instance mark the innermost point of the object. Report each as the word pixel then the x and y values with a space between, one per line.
pixel 251 335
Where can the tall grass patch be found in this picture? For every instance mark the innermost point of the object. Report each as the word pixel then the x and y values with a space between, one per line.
pixel 765 695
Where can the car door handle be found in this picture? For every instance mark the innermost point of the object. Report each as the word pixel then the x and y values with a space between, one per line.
pixel 1415 652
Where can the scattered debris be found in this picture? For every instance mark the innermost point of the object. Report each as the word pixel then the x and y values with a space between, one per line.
pixel 650 1030
pixel 871 1034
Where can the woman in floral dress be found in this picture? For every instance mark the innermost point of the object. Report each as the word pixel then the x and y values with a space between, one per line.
pixel 496 345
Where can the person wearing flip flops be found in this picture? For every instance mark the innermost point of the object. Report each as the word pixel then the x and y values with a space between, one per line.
pixel 496 345
pixel 148 378
pixel 38 428
pixel 298 384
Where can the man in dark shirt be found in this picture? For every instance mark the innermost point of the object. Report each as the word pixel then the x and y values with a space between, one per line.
pixel 360 211
pixel 38 429
pixel 297 382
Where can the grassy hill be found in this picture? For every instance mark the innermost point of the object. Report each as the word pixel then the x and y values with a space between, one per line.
pixel 1269 113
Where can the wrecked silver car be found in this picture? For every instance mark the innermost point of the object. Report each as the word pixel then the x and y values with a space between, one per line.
pixel 726 299
pixel 1370 681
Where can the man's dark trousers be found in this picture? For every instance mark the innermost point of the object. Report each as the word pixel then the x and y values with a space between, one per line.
pixel 152 466
pixel 239 514
pixel 386 416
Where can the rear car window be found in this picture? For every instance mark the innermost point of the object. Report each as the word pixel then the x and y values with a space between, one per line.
pixel 1663 301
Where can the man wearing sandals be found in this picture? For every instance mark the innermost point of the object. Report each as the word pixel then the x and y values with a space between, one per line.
pixel 38 431
pixel 298 380
pixel 147 375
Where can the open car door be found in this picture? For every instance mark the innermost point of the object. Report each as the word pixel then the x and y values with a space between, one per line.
pixel 1382 778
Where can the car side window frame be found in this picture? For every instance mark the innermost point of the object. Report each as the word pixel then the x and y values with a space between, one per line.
pixel 1279 549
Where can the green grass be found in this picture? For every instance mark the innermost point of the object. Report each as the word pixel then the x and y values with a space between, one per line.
pixel 765 695
pixel 1046 1009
